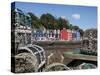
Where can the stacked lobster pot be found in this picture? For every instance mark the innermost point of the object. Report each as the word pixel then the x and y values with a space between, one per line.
pixel 86 66
pixel 89 42
pixel 39 54
pixel 30 58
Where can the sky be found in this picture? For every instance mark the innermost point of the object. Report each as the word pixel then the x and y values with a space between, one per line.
pixel 83 16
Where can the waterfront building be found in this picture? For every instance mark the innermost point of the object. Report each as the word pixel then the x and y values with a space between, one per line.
pixel 78 35
pixel 74 35
pixel 69 35
pixel 64 34
pixel 39 35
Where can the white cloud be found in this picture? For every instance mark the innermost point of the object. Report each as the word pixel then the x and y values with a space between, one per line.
pixel 76 16
pixel 64 17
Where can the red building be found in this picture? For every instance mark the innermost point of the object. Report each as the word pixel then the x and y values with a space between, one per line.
pixel 64 34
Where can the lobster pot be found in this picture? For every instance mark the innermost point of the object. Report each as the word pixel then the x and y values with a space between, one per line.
pixel 28 37
pixel 19 17
pixel 34 56
pixel 15 16
pixel 89 42
pixel 24 36
pixel 28 20
pixel 78 35
pixel 86 66
pixel 39 53
pixel 90 34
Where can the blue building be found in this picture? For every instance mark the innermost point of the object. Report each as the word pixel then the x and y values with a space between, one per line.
pixel 74 35
pixel 78 35
pixel 39 35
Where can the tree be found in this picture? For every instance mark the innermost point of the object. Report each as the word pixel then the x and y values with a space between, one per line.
pixel 81 32
pixel 35 21
pixel 48 21
pixel 76 28
pixel 62 23
pixel 71 27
